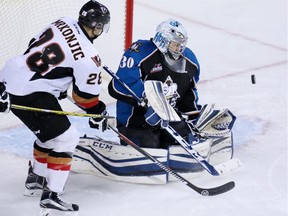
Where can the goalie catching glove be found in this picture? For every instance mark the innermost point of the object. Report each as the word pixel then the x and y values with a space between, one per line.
pixel 4 99
pixel 213 123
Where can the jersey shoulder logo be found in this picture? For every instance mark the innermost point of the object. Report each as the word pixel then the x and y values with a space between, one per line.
pixel 135 47
pixel 97 60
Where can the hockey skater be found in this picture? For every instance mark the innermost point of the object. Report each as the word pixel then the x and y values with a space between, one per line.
pixel 60 56
pixel 167 59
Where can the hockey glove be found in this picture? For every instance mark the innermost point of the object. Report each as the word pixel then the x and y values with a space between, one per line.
pixel 213 123
pixel 98 123
pixel 152 118
pixel 4 99
pixel 62 95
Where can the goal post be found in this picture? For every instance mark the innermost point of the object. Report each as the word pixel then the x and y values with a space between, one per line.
pixel 129 22
pixel 22 19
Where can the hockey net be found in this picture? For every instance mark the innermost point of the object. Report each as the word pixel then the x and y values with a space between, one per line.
pixel 21 20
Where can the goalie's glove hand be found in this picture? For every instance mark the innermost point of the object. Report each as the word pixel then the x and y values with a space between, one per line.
pixel 4 99
pixel 99 123
pixel 153 119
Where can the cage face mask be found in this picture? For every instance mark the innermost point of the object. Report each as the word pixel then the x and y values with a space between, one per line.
pixel 171 37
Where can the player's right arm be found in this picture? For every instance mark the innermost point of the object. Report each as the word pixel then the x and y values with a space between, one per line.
pixel 86 90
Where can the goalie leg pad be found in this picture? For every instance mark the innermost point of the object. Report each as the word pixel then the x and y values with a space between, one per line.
pixel 221 149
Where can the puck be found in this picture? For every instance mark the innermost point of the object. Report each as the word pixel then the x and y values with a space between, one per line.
pixel 253 79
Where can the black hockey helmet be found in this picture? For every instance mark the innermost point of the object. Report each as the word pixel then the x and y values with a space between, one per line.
pixel 95 15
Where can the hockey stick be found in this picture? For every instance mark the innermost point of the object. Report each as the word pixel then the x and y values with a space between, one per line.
pixel 211 169
pixel 58 112
pixel 203 191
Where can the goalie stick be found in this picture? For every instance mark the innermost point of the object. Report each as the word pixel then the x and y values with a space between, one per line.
pixel 203 191
pixel 188 148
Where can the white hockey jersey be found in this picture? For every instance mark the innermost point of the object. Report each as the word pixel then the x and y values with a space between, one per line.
pixel 59 55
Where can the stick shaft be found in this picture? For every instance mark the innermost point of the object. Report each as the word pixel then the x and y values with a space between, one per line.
pixel 58 112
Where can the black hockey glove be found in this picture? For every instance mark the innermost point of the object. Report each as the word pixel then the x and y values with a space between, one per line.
pixel 4 99
pixel 98 123
pixel 62 95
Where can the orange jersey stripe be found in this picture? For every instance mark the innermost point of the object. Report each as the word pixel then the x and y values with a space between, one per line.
pixel 85 103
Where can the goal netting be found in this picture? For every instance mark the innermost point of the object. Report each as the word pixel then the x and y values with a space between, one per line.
pixel 22 19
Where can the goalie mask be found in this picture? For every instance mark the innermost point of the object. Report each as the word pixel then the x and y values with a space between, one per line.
pixel 95 15
pixel 171 37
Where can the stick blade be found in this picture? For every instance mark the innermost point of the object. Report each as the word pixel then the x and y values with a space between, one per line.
pixel 213 191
